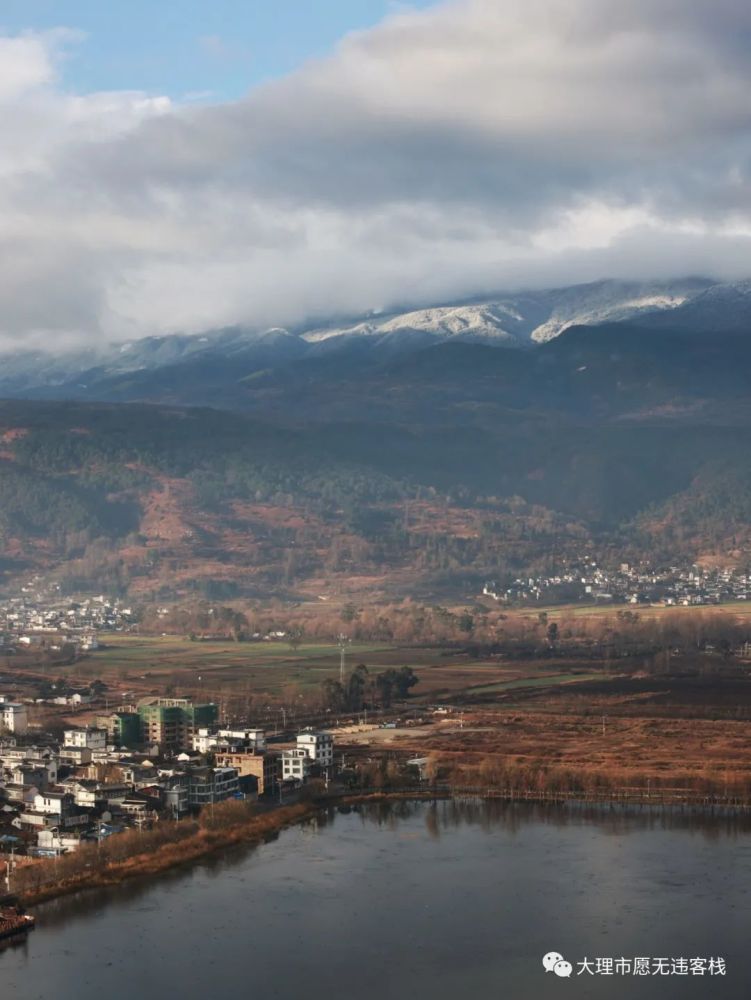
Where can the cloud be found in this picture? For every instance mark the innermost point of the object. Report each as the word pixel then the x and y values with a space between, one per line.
pixel 471 146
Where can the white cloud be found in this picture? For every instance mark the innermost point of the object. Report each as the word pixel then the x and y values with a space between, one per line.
pixel 475 145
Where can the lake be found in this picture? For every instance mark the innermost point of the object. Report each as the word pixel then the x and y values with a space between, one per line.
pixel 412 900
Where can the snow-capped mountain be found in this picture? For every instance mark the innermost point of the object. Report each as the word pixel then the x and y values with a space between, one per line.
pixel 505 320
pixel 510 320
pixel 488 322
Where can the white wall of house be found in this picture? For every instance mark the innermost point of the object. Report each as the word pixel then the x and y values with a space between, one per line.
pixel 14 717
pixel 318 746
pixel 295 765
pixel 90 739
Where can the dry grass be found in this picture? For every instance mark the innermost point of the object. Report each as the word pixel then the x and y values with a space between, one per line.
pixel 140 856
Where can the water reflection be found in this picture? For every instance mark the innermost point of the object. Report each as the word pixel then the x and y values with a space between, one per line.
pixel 496 814
pixel 437 817
pixel 403 899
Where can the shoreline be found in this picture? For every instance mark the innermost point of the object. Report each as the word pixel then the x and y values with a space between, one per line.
pixel 254 830
pixel 257 829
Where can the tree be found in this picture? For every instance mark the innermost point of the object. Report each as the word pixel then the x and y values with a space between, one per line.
pixel 356 688
pixel 398 682
pixel 385 685
pixel 333 695
pixel 466 622
pixel 405 680
pixel 295 637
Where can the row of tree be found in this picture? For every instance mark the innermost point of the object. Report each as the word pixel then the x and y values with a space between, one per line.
pixel 363 690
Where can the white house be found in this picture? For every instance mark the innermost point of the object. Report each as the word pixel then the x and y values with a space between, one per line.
pixel 74 756
pixel 91 739
pixel 318 746
pixel 13 757
pixel 255 738
pixel 54 839
pixel 14 717
pixel 53 803
pixel 84 793
pixel 205 740
pixel 295 765
pixel 89 641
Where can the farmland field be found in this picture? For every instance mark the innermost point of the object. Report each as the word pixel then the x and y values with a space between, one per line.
pixel 143 665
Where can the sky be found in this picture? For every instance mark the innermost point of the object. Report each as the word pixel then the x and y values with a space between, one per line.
pixel 183 166
pixel 189 49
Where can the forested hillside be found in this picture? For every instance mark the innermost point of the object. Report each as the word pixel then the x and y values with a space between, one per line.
pixel 422 477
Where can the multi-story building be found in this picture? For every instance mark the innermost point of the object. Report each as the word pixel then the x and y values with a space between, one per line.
pixel 295 765
pixel 54 803
pixel 123 727
pixel 212 784
pixel 14 717
pixel 89 738
pixel 172 722
pixel 11 757
pixel 252 738
pixel 262 765
pixel 74 756
pixel 175 795
pixel 29 775
pixel 205 739
pixel 318 746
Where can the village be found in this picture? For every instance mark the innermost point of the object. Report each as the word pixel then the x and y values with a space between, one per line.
pixel 83 760
pixel 587 582
pixel 161 760
pixel 40 617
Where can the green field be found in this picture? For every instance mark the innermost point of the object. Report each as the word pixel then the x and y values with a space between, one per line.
pixel 138 666
pixel 549 680
pixel 173 661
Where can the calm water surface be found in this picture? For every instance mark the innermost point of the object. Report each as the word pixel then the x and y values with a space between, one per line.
pixel 447 900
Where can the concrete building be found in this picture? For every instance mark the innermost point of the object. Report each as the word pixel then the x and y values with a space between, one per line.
pixel 172 722
pixel 318 746
pixel 91 739
pixel 74 756
pixel 205 740
pixel 28 774
pixel 175 794
pixel 252 738
pixel 84 792
pixel 56 841
pixel 12 757
pixel 295 765
pixel 123 727
pixel 212 784
pixel 54 803
pixel 21 794
pixel 14 717
pixel 263 766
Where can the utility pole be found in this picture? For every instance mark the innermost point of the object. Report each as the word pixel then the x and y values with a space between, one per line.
pixel 9 865
pixel 343 641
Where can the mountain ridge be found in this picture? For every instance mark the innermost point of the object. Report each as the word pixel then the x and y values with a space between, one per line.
pixel 526 319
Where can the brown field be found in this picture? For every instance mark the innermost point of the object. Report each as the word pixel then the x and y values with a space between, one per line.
pixel 629 749
pixel 583 731
pixel 688 721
